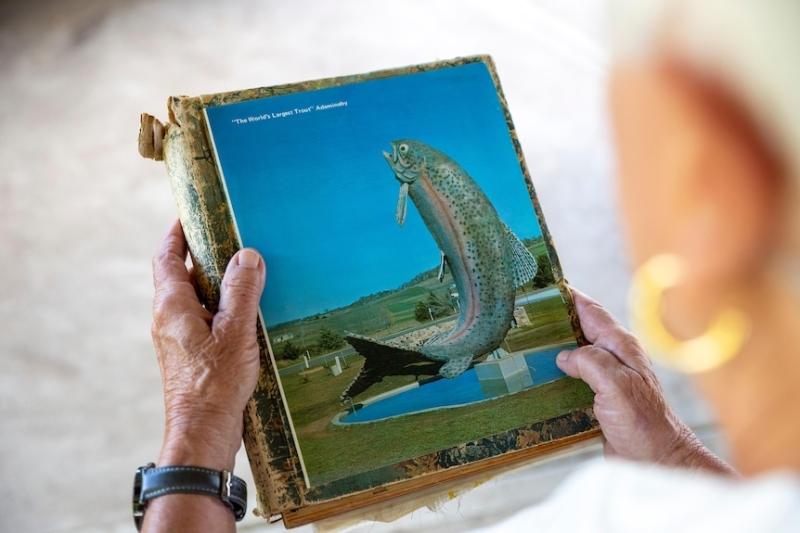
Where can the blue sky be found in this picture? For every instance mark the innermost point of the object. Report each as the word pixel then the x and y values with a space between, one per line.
pixel 312 192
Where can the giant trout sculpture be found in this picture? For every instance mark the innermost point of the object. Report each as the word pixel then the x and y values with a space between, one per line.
pixel 487 260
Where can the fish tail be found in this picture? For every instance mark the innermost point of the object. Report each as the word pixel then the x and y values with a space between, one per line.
pixel 381 359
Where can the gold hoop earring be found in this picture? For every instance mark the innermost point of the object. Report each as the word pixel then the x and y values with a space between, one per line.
pixel 719 344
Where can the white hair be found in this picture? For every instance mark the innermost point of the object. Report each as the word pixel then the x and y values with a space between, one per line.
pixel 751 46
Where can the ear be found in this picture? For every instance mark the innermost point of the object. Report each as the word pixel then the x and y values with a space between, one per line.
pixel 726 192
pixel 696 180
pixel 696 177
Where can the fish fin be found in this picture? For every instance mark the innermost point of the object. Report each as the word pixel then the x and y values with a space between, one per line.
pixel 402 204
pixel 525 266
pixel 455 366
pixel 441 266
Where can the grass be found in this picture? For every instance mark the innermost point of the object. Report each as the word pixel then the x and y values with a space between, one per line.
pixel 332 452
pixel 537 248
pixel 550 324
pixel 540 336
pixel 317 399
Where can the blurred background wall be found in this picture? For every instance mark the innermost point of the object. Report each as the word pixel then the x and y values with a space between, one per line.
pixel 81 213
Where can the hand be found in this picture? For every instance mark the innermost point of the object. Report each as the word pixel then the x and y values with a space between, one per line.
pixel 209 363
pixel 629 403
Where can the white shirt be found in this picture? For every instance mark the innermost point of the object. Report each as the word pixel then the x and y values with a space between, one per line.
pixel 606 496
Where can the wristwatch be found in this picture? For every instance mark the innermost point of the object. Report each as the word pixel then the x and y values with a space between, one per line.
pixel 151 482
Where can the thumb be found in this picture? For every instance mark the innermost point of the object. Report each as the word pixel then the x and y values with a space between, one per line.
pixel 597 367
pixel 241 290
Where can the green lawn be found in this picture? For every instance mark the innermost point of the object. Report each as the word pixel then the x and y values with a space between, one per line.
pixel 331 452
pixel 550 324
pixel 538 248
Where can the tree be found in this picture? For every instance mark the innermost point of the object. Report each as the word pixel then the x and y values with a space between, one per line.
pixel 433 306
pixel 329 340
pixel 544 274
pixel 289 351
pixel 440 305
pixel 421 313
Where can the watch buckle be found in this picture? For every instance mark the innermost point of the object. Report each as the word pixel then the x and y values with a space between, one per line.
pixel 139 506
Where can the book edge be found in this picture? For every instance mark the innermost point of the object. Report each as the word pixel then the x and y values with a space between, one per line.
pixel 209 231
pixel 212 246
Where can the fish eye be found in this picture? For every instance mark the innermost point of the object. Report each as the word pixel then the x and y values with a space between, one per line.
pixel 403 148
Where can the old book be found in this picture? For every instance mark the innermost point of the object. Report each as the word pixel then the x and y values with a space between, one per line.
pixel 415 303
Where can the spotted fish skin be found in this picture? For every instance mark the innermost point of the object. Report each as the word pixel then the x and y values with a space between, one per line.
pixel 487 260
pixel 476 245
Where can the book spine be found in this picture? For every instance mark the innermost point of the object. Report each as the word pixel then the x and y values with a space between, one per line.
pixel 210 233
pixel 200 200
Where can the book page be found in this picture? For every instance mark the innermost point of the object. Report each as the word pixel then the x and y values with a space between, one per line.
pixel 414 303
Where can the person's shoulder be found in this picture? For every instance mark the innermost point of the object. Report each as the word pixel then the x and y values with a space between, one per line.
pixel 623 496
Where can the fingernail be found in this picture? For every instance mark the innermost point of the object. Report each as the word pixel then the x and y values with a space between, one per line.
pixel 248 258
pixel 562 357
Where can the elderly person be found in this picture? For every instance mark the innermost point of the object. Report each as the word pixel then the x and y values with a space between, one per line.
pixel 705 99
pixel 706 105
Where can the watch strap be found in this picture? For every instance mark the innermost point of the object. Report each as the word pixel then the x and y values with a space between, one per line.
pixel 165 480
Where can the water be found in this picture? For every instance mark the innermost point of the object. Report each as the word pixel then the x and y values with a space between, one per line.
pixel 463 390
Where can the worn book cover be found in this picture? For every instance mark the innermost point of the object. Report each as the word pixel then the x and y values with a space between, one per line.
pixel 415 303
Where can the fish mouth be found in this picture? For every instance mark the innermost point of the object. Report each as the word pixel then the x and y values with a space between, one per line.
pixel 402 168
pixel 406 176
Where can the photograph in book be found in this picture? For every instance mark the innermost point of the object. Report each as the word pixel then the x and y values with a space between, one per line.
pixel 411 300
